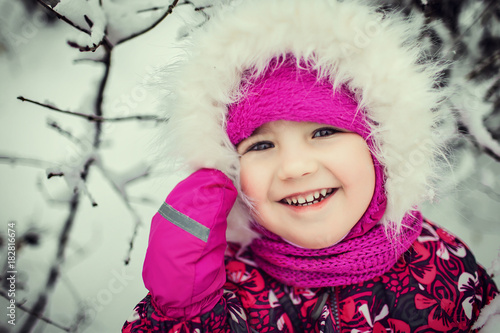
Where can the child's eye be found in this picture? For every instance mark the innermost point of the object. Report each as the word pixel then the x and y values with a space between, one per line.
pixel 324 131
pixel 262 145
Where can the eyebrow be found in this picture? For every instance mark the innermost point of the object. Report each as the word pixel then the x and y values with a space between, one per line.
pixel 258 130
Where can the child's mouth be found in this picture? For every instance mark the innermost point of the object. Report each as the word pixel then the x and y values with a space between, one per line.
pixel 310 199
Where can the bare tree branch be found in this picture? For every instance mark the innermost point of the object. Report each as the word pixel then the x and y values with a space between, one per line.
pixel 26 161
pixel 67 134
pixel 37 316
pixel 495 88
pixel 55 269
pixel 45 319
pixel 165 14
pixel 84 48
pixel 120 189
pixel 55 174
pixel 135 232
pixel 185 2
pixel 493 58
pixel 64 18
pixel 475 133
pixel 91 117
pixel 477 19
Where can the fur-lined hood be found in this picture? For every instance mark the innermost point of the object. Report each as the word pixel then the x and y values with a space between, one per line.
pixel 377 57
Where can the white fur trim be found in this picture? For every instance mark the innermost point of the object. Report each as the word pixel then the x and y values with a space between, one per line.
pixel 489 318
pixel 349 42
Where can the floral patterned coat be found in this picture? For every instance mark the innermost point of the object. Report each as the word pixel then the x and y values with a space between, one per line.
pixel 436 286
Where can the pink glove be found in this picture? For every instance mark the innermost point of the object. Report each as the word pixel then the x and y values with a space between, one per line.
pixel 184 265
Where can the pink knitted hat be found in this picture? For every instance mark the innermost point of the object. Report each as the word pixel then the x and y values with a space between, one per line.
pixel 286 91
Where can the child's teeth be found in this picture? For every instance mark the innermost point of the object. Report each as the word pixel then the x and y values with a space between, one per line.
pixel 310 199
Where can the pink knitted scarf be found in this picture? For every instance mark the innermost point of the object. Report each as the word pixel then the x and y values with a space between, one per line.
pixel 351 261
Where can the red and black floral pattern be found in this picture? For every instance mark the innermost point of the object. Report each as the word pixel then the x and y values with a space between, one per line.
pixel 436 286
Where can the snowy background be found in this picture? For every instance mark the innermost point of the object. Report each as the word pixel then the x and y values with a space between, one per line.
pixel 84 238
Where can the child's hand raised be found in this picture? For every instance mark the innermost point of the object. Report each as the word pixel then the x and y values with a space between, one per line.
pixel 184 265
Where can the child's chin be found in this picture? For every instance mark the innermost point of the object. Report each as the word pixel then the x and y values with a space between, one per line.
pixel 323 244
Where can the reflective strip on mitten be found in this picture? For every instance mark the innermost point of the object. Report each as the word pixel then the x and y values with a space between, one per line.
pixel 184 265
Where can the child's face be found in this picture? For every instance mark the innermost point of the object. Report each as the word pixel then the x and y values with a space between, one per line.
pixel 285 164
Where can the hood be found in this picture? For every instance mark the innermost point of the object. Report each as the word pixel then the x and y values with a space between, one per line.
pixel 376 55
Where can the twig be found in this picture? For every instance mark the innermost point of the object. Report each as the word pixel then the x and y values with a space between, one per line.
pixel 64 18
pixel 55 174
pixel 167 12
pixel 100 96
pixel 83 175
pixel 51 107
pixel 491 153
pixel 41 317
pixel 55 269
pixel 135 232
pixel 142 175
pixel 487 147
pixel 198 9
pixel 186 2
pixel 92 117
pixel 123 195
pixel 495 87
pixel 104 41
pixel 26 161
pixel 480 16
pixel 149 9
pixel 85 48
pixel 87 59
pixel 483 64
pixel 67 134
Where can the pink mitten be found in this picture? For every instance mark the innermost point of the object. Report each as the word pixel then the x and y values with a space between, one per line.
pixel 184 265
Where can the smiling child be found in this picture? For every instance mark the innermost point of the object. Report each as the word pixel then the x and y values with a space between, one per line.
pixel 312 130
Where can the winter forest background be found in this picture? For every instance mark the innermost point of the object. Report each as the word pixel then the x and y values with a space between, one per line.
pixel 77 118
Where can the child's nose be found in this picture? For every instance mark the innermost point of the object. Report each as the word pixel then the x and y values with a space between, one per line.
pixel 295 164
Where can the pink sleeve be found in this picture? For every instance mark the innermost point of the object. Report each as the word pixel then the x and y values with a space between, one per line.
pixel 184 265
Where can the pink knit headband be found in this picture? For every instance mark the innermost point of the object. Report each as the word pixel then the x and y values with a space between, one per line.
pixel 286 91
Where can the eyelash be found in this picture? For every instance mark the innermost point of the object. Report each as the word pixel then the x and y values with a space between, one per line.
pixel 321 131
pixel 260 146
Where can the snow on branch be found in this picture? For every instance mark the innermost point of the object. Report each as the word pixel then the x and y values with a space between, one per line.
pixel 99 26
pixel 107 23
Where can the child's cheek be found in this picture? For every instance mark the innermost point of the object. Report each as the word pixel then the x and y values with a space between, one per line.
pixel 246 175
